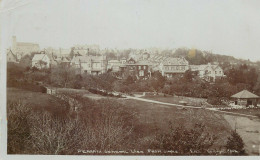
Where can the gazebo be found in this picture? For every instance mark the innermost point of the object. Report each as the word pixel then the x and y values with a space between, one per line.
pixel 245 98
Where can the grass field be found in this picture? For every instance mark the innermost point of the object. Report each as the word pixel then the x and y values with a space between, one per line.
pixel 157 117
pixel 83 92
pixel 150 117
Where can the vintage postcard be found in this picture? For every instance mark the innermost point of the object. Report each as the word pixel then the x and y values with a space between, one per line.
pixel 140 79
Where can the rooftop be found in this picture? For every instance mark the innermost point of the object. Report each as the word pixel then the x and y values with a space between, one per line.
pixel 244 94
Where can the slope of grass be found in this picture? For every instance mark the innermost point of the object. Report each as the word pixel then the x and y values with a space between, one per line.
pixel 155 117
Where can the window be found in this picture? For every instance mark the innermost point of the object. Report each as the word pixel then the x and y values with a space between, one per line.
pixel 144 67
pixel 216 72
pixel 140 67
pixel 141 73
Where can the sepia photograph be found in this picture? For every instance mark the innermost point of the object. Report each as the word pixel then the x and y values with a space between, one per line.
pixel 130 78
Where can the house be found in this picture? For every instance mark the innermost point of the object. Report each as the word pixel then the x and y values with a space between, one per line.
pixel 114 65
pixel 140 69
pixel 86 49
pixel 23 48
pixel 146 56
pixel 11 57
pixel 90 64
pixel 245 98
pixel 172 66
pixel 41 61
pixel 208 72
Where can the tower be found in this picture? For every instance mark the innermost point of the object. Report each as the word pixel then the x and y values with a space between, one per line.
pixel 14 43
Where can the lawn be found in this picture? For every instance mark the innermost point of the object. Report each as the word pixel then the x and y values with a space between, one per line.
pixel 154 117
pixel 83 92
pixel 150 117
pixel 176 99
pixel 37 100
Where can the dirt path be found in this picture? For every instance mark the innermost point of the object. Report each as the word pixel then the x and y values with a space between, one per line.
pixel 249 130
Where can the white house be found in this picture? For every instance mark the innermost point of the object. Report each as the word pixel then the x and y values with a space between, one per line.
pixel 173 66
pixel 41 61
pixel 208 72
pixel 90 64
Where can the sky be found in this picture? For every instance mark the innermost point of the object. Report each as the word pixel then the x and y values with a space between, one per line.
pixel 230 27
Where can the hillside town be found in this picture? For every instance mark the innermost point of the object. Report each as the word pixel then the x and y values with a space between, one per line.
pixel 91 60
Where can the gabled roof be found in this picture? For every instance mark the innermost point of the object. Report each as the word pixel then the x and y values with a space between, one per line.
pixel 38 57
pixel 244 94
pixel 114 61
pixel 203 67
pixel 175 61
pixel 88 58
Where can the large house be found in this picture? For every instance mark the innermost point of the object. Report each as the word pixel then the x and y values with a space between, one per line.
pixel 90 64
pixel 172 66
pixel 22 48
pixel 140 69
pixel 208 72
pixel 41 61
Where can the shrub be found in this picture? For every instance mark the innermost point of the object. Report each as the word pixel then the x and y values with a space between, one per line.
pixel 18 127
pixel 185 142
pixel 235 144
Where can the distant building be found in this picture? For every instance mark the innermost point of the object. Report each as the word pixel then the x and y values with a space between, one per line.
pixel 90 64
pixel 11 57
pixel 208 72
pixel 41 61
pixel 146 56
pixel 114 65
pixel 86 49
pixel 64 61
pixel 172 66
pixel 21 49
pixel 123 60
pixel 140 69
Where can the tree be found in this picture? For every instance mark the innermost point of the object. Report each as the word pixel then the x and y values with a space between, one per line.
pixel 235 144
pixel 157 81
pixel 72 52
pixel 189 75
pixel 129 80
pixel 26 61
pixel 62 75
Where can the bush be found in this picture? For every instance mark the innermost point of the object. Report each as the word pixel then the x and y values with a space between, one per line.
pixel 235 144
pixel 185 142
pixel 18 127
